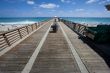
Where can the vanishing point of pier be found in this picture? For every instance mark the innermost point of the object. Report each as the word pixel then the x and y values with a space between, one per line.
pixel 36 49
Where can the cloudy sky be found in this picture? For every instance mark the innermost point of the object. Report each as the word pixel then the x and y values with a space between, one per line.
pixel 45 8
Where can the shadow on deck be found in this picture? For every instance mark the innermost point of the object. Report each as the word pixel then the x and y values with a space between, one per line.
pixel 103 53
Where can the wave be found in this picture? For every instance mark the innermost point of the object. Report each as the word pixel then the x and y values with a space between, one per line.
pixel 17 23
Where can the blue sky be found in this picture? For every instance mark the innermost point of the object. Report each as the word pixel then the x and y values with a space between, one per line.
pixel 45 8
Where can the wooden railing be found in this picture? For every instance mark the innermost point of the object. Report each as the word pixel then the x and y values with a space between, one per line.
pixel 79 28
pixel 99 34
pixel 12 36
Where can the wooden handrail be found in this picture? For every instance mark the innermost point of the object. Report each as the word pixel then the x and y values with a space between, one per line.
pixel 79 28
pixel 7 39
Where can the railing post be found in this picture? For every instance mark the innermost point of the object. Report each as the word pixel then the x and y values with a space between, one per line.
pixel 6 39
pixel 19 33
pixel 32 27
pixel 27 29
pixel 79 27
pixel 36 25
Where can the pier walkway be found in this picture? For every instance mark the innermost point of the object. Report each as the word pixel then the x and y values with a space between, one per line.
pixel 48 52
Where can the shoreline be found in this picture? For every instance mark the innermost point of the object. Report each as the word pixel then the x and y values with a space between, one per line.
pixel 4 28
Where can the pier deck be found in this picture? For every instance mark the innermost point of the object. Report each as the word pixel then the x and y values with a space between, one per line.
pixel 47 52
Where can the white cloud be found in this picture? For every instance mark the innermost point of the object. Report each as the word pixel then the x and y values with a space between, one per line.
pixel 103 2
pixel 53 10
pixel 79 10
pixel 62 0
pixel 91 1
pixel 14 1
pixel 66 1
pixel 49 6
pixel 30 2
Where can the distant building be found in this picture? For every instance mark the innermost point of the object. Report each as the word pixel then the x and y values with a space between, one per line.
pixel 107 7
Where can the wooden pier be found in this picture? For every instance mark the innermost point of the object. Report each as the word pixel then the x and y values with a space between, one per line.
pixel 42 51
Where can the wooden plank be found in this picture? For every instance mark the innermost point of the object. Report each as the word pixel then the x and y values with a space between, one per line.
pixel 55 56
pixel 80 63
pixel 32 59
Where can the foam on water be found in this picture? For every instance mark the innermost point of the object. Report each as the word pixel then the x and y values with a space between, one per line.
pixel 7 24
pixel 17 23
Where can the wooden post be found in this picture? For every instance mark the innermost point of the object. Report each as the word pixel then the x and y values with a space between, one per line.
pixel 32 27
pixel 36 25
pixel 19 33
pixel 6 39
pixel 79 27
pixel 27 29
pixel 84 30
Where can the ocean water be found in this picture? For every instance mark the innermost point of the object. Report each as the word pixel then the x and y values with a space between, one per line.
pixel 30 20
pixel 15 21
pixel 89 20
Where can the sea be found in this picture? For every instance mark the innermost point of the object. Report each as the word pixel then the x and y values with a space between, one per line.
pixel 30 20
pixel 89 20
pixel 22 20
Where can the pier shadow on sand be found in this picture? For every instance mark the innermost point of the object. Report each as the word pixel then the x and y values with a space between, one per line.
pixel 104 53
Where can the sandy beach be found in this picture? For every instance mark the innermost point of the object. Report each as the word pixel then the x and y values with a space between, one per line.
pixel 90 25
pixel 4 28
